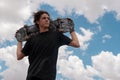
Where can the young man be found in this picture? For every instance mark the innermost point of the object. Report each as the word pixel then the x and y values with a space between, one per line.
pixel 42 49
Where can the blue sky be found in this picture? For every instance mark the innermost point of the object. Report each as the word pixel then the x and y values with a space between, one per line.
pixel 97 25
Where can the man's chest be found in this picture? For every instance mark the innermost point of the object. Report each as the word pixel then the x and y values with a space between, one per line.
pixel 45 40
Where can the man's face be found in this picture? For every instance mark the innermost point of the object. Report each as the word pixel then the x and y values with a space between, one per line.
pixel 44 21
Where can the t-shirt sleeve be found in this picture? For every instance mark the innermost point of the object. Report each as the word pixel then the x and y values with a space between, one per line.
pixel 64 40
pixel 27 47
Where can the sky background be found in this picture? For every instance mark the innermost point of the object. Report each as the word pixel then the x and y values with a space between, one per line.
pixel 97 25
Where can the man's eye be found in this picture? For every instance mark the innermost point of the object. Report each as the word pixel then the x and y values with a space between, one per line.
pixel 46 18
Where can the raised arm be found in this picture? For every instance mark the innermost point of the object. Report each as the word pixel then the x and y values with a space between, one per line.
pixel 20 55
pixel 74 42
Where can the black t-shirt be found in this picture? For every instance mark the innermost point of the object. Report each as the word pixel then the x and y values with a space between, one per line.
pixel 42 52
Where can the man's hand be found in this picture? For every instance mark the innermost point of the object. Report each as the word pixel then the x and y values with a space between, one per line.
pixel 71 25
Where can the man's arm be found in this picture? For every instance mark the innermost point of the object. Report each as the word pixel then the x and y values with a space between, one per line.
pixel 74 42
pixel 20 55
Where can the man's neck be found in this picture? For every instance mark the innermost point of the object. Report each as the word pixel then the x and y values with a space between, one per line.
pixel 43 30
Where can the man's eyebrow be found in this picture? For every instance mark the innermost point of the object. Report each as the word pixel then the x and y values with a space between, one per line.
pixel 45 17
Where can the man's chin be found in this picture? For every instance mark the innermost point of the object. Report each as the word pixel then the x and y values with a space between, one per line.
pixel 46 26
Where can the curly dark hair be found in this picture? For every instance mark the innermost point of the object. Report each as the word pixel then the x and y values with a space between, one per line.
pixel 38 14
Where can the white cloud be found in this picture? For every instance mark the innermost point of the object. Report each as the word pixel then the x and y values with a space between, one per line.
pixel 71 66
pixel 64 53
pixel 73 69
pixel 99 28
pixel 21 10
pixel 85 38
pixel 106 37
pixel 91 9
pixel 0 67
pixel 107 65
pixel 17 70
pixel 13 14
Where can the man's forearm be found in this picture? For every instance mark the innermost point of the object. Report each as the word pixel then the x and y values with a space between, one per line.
pixel 75 41
pixel 19 46
pixel 19 53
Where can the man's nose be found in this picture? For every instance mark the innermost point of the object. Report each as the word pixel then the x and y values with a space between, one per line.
pixel 47 19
